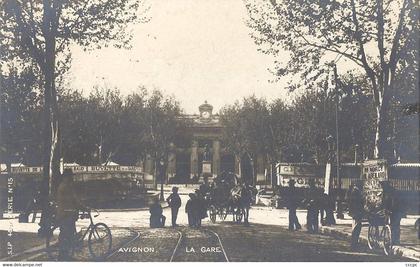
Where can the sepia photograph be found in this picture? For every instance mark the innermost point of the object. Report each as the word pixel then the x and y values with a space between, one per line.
pixel 150 132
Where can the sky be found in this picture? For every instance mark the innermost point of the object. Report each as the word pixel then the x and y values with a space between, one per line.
pixel 195 50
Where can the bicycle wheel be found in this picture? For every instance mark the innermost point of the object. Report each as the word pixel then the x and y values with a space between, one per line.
pixel 213 213
pixel 99 241
pixel 373 235
pixel 386 239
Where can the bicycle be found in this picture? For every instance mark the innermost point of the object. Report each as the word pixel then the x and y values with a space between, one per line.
pixel 378 237
pixel 98 235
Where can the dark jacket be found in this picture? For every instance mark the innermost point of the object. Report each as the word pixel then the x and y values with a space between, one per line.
pixel 155 209
pixel 68 204
pixel 292 198
pixel 392 204
pixel 174 201
pixel 356 207
pixel 313 198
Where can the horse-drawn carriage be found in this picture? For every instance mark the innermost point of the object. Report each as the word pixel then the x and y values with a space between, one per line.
pixel 228 196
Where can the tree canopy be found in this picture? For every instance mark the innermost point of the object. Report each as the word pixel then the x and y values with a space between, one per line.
pixel 375 38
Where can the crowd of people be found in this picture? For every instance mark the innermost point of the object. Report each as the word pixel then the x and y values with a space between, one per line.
pixel 319 206
pixel 317 203
pixel 195 208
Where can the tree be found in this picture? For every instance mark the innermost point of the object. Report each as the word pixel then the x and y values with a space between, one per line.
pixel 246 130
pixel 20 132
pixel 162 122
pixel 373 35
pixel 43 30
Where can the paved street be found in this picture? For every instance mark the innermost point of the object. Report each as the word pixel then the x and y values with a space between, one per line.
pixel 267 239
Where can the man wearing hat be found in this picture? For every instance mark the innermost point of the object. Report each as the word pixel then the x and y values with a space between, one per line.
pixel 292 203
pixel 174 201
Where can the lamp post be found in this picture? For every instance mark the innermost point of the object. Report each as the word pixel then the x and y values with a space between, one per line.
pixel 162 175
pixel 340 214
pixel 356 149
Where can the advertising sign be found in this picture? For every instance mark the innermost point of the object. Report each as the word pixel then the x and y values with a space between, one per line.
pixel 373 173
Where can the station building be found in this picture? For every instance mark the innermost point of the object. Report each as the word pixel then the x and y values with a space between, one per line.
pixel 202 141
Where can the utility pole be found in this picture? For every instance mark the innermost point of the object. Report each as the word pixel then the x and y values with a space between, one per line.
pixel 340 214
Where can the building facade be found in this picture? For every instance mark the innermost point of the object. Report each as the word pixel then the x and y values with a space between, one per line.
pixel 199 152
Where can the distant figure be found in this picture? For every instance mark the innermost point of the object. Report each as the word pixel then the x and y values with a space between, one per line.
pixel 190 209
pixel 157 220
pixel 68 206
pixel 246 201
pixel 312 204
pixel 174 202
pixel 327 207
pixel 356 211
pixel 201 209
pixel 292 204
pixel 395 210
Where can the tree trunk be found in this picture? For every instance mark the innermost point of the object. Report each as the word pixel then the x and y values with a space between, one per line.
pixel 383 146
pixel 51 135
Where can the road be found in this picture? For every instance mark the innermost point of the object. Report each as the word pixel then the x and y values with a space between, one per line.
pixel 266 239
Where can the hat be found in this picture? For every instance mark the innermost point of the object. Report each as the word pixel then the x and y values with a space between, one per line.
pixel 174 188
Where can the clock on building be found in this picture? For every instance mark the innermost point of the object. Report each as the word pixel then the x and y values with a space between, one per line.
pixel 205 110
pixel 206 114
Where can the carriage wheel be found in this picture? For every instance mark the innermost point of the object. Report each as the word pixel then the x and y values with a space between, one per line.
pixel 373 237
pixel 213 213
pixel 222 214
pixel 238 214
pixel 387 239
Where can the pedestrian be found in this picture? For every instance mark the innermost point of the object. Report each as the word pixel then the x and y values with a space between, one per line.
pixel 292 204
pixel 201 209
pixel 174 202
pixel 68 207
pixel 245 202
pixel 394 209
pixel 190 209
pixel 356 211
pixel 312 204
pixel 327 210
pixel 157 219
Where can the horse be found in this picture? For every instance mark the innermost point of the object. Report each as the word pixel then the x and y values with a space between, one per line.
pixel 241 198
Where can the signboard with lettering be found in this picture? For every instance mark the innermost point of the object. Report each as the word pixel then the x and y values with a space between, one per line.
pixel 82 169
pixel 375 169
pixel 373 173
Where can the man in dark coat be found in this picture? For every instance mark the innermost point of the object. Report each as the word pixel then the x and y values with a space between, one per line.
pixel 174 202
pixel 292 204
pixel 356 211
pixel 395 209
pixel 312 204
pixel 191 210
pixel 157 220
pixel 68 206
pixel 200 206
